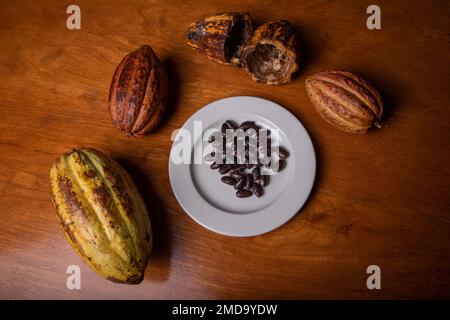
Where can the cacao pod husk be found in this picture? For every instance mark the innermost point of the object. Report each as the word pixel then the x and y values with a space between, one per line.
pixel 270 55
pixel 102 214
pixel 138 92
pixel 221 37
pixel 345 100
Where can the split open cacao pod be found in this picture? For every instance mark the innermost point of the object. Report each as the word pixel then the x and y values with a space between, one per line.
pixel 138 92
pixel 102 214
pixel 220 37
pixel 345 100
pixel 270 55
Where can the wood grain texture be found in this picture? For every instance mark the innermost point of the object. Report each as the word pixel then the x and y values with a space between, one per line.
pixel 381 198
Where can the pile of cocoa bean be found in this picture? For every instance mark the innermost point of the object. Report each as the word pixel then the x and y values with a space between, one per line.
pixel 244 155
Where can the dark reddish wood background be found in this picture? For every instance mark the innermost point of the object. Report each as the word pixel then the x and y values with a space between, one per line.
pixel 381 198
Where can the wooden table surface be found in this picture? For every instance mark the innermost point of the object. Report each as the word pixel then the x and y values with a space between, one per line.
pixel 379 199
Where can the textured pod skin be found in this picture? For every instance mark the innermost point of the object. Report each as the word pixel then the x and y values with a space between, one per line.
pixel 220 37
pixel 270 56
pixel 138 92
pixel 345 100
pixel 102 214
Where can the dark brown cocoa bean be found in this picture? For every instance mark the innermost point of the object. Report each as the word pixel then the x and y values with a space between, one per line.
pixel 256 173
pixel 282 164
pixel 249 181
pixel 240 184
pixel 228 180
pixel 238 168
pixel 236 176
pixel 283 153
pixel 231 124
pixel 246 125
pixel 264 180
pixel 257 189
pixel 215 165
pixel 243 193
pixel 225 168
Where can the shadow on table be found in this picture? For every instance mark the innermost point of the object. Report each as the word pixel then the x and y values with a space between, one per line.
pixel 172 71
pixel 392 92
pixel 160 258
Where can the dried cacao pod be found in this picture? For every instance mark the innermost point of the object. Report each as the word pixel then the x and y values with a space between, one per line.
pixel 270 56
pixel 220 37
pixel 102 214
pixel 138 92
pixel 345 100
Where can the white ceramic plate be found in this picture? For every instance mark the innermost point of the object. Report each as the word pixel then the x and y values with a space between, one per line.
pixel 214 204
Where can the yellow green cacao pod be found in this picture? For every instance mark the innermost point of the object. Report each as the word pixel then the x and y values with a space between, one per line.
pixel 102 214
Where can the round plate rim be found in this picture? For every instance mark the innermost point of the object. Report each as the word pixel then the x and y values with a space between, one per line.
pixel 245 225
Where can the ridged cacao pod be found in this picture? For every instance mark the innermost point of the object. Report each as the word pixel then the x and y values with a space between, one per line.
pixel 102 214
pixel 138 92
pixel 345 100
pixel 270 56
pixel 220 37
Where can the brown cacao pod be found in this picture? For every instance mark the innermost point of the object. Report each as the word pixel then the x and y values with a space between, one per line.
pixel 345 100
pixel 270 56
pixel 138 92
pixel 220 37
pixel 102 214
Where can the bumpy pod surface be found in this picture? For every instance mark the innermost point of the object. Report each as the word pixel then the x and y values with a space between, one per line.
pixel 138 92
pixel 102 214
pixel 220 37
pixel 345 100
